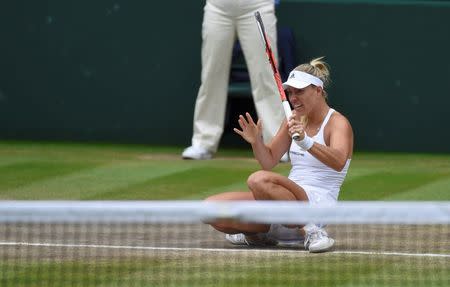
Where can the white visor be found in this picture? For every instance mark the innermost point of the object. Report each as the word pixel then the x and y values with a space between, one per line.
pixel 300 80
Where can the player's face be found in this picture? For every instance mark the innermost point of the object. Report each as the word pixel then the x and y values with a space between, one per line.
pixel 303 100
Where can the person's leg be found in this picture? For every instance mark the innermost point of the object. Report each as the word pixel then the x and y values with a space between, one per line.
pixel 316 236
pixel 265 93
pixel 218 36
pixel 267 185
pixel 234 227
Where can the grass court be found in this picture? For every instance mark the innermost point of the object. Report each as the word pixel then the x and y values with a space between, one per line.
pixel 197 255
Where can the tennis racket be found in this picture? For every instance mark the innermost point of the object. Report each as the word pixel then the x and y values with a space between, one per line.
pixel 276 74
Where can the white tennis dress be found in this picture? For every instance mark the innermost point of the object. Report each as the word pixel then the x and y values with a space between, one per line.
pixel 320 182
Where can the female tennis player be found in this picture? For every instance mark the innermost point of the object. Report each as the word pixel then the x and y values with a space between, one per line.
pixel 320 159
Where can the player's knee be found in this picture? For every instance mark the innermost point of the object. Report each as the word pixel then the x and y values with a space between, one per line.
pixel 258 181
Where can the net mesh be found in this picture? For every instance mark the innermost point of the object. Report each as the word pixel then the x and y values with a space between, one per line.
pixel 167 244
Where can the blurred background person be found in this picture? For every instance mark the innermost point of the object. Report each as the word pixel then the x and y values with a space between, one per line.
pixel 224 21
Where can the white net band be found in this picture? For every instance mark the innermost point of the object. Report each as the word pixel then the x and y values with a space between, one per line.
pixel 249 211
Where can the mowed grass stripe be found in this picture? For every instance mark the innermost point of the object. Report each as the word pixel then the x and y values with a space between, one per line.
pixel 78 151
pixel 96 171
pixel 391 176
pixel 89 183
pixel 190 183
pixel 26 172
pixel 354 173
pixel 436 190
pixel 179 269
pixel 11 160
pixel 381 185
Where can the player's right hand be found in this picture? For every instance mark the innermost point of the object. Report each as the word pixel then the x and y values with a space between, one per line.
pixel 296 126
pixel 251 132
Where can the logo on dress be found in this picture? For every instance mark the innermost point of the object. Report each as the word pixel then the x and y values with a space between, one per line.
pixel 297 153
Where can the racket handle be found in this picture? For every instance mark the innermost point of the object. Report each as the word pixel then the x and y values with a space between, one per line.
pixel 288 113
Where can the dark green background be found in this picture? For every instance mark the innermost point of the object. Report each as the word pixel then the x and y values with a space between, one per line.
pixel 128 71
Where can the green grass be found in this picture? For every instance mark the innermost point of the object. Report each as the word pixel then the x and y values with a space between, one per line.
pixel 393 176
pixel 136 172
pixel 251 270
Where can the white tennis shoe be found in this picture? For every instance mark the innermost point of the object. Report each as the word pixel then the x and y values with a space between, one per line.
pixel 260 239
pixel 196 153
pixel 236 239
pixel 317 240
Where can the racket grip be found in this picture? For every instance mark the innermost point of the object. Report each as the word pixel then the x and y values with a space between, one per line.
pixel 288 113
pixel 287 109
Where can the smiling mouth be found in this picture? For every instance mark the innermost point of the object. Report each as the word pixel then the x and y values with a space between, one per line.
pixel 298 106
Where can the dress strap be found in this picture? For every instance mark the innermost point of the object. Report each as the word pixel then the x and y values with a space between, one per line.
pixel 327 118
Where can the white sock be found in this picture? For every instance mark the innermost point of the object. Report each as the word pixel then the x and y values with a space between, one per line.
pixel 310 228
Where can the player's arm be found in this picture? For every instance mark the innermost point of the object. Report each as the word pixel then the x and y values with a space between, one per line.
pixel 340 146
pixel 269 155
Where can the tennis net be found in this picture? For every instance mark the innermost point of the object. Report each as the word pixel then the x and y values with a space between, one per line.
pixel 167 243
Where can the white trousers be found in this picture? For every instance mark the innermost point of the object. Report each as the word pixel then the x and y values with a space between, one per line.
pixel 223 21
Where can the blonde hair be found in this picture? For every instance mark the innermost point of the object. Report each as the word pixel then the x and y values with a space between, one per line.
pixel 319 68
